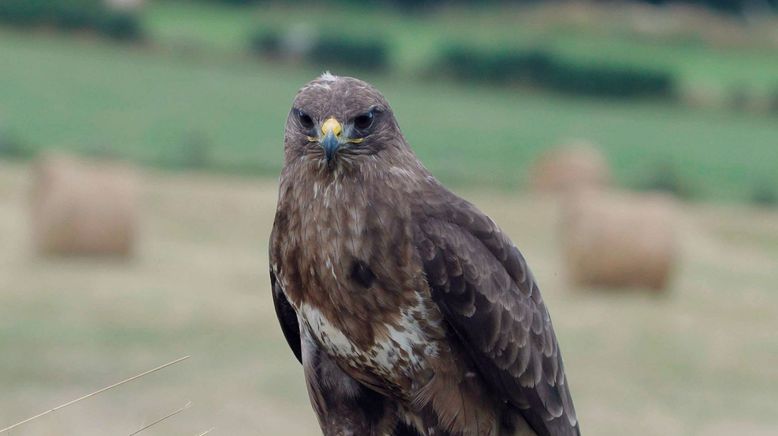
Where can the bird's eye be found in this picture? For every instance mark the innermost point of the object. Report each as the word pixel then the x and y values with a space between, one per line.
pixel 305 119
pixel 364 121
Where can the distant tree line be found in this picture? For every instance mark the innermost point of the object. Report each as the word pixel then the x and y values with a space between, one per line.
pixel 730 6
pixel 533 68
pixel 72 15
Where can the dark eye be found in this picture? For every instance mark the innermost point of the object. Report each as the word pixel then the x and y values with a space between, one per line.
pixel 305 119
pixel 364 121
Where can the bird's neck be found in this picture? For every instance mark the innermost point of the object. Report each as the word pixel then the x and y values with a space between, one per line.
pixel 355 184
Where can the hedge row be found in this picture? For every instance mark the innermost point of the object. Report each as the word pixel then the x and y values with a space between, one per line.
pixel 70 15
pixel 729 6
pixel 535 68
pixel 542 69
pixel 323 50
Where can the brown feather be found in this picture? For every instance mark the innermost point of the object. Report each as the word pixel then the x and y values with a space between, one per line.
pixel 403 290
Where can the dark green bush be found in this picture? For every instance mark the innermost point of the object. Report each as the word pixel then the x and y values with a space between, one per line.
pixel 267 43
pixel 543 69
pixel 728 6
pixel 610 81
pixel 120 26
pixel 365 54
pixel 13 147
pixel 74 16
pixel 666 177
pixel 71 15
pixel 23 12
pixel 464 63
pixel 323 50
pixel 460 63
pixel 236 2
pixel 765 194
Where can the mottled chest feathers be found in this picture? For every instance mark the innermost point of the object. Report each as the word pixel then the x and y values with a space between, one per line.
pixel 398 347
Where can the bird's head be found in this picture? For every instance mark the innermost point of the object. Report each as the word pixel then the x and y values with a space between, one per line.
pixel 337 120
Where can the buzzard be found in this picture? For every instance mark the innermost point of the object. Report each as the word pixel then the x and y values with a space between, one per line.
pixel 411 312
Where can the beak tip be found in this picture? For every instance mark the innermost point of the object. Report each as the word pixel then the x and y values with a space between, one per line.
pixel 330 145
pixel 331 130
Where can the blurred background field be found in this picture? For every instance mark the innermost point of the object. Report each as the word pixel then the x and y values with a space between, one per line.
pixel 680 98
pixel 193 94
pixel 700 360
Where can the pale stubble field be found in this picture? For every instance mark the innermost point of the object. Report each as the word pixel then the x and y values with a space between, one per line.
pixel 699 360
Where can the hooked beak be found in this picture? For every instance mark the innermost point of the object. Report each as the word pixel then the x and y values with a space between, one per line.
pixel 330 141
pixel 330 144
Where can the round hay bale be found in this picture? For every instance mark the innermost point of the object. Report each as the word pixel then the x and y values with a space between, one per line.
pixel 621 240
pixel 576 165
pixel 83 207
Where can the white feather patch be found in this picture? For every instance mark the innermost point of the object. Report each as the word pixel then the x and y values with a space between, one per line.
pixel 330 337
pixel 328 77
pixel 405 340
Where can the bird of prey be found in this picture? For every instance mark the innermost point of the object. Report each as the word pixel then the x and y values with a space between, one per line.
pixel 411 312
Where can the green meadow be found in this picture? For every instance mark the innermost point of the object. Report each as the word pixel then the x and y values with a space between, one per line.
pixel 194 86
pixel 415 40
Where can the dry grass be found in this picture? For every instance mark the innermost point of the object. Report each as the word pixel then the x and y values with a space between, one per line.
pixel 100 391
pixel 700 360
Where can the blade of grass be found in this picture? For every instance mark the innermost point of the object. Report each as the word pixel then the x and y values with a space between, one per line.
pixel 169 415
pixel 99 391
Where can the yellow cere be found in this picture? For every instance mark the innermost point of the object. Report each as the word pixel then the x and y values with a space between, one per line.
pixel 331 125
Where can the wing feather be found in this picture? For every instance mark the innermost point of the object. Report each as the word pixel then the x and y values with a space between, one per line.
pixel 490 299
pixel 287 317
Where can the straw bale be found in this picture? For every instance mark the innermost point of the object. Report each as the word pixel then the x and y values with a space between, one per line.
pixel 84 207
pixel 572 166
pixel 619 240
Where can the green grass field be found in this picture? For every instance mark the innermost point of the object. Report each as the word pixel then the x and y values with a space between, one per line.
pixel 415 40
pixel 144 103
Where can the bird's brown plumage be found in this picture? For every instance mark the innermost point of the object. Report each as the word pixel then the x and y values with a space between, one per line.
pixel 411 311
